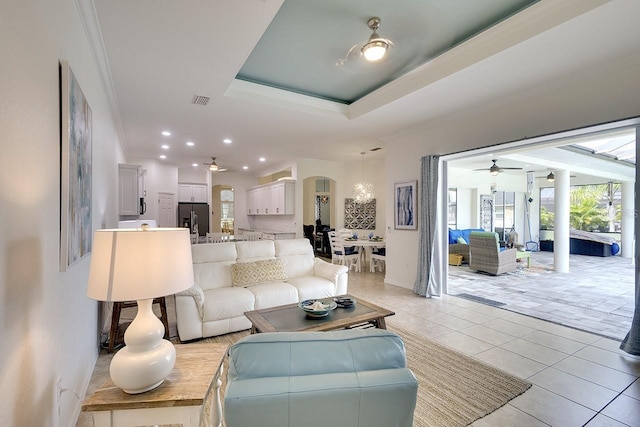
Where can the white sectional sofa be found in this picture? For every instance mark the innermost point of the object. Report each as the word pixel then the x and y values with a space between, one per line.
pixel 235 277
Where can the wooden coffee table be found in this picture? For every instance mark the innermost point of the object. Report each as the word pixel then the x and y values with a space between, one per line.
pixel 291 318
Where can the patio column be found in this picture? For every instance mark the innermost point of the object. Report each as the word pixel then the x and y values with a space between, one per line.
pixel 561 222
pixel 628 214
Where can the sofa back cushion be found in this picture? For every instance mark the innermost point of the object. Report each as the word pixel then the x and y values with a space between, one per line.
pixel 297 257
pixel 287 353
pixel 465 233
pixel 253 273
pixel 212 264
pixel 258 250
pixel 484 241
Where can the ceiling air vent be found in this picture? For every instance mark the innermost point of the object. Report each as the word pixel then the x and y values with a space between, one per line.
pixel 200 100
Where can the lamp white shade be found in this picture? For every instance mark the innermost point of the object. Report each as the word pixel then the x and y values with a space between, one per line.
pixel 141 264
pixel 134 264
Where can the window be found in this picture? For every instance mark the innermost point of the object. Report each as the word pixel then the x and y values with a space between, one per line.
pixel 452 217
pixel 592 207
pixel 226 210
pixel 505 209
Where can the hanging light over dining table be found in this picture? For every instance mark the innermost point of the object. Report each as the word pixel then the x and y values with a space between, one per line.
pixel 363 191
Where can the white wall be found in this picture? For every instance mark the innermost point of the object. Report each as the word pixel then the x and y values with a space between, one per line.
pixel 193 175
pixel 597 94
pixel 49 327
pixel 159 178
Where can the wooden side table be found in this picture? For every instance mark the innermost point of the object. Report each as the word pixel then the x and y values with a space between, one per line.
pixel 180 399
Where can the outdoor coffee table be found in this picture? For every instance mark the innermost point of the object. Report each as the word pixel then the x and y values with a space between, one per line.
pixel 291 318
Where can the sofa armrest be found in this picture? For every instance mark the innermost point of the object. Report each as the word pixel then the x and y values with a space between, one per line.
pixel 337 274
pixel 190 312
pixel 460 249
pixel 508 254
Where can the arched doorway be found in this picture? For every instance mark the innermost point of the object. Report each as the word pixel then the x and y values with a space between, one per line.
pixel 319 207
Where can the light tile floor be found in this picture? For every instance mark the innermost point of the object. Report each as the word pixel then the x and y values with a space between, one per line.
pixel 597 295
pixel 579 378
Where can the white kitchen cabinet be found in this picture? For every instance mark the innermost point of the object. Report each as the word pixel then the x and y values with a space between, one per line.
pixel 129 189
pixel 272 199
pixel 195 193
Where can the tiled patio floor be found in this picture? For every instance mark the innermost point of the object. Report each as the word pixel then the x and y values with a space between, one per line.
pixel 596 296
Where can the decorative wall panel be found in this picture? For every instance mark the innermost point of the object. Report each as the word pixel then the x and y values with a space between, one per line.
pixel 359 216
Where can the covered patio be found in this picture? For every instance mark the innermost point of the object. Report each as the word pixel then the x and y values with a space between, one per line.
pixel 596 295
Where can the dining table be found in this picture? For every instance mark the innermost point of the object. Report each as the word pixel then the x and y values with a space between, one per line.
pixel 367 246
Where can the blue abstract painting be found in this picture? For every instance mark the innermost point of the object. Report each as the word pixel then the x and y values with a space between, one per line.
pixel 405 199
pixel 75 171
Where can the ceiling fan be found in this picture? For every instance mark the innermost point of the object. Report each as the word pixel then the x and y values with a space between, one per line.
pixel 213 166
pixel 551 177
pixel 495 169
pixel 374 48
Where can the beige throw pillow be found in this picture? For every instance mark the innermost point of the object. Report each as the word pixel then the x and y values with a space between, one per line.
pixel 253 273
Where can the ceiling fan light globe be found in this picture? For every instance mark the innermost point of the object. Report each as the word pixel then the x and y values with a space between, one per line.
pixel 375 50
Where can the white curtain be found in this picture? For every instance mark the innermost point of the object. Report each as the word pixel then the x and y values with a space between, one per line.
pixel 429 274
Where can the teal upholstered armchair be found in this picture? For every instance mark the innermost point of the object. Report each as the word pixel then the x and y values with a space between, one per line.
pixel 355 378
pixel 485 254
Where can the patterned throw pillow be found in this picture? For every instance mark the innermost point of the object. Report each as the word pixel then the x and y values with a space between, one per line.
pixel 252 273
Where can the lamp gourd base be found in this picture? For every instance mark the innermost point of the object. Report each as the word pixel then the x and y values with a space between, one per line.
pixel 147 359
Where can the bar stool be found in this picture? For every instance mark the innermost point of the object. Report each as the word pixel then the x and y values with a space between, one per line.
pixel 115 319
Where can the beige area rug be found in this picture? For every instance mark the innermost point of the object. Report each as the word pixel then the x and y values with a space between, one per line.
pixel 453 389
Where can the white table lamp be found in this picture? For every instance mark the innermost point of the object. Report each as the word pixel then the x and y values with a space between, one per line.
pixel 141 264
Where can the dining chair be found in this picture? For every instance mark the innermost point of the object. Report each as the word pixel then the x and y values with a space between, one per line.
pixel 345 233
pixel 378 260
pixel 218 237
pixel 349 257
pixel 308 233
pixel 251 236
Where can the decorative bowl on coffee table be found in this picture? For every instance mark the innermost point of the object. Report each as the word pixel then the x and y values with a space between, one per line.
pixel 317 308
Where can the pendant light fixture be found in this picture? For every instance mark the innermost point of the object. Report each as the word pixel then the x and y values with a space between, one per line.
pixel 363 191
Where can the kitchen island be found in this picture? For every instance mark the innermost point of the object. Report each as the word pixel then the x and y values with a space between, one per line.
pixel 270 234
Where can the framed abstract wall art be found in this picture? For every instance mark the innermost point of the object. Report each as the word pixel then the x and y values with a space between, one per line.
pixel 405 206
pixel 75 171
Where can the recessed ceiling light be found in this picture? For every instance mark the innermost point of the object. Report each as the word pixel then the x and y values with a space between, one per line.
pixel 262 159
pixel 165 147
pixel 195 165
pixel 245 167
pixel 190 143
pixel 227 141
pixel 166 133
pixel 162 156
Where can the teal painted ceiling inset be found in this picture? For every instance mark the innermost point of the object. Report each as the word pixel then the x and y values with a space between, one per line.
pixel 313 47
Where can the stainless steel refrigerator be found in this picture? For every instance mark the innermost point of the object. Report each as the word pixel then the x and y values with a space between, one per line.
pixel 194 216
